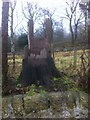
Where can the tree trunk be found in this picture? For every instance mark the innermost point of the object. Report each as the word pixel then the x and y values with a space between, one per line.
pixel 12 40
pixel 89 25
pixel 75 48
pixel 38 71
pixel 75 56
pixel 13 61
pixel 5 11
pixel 53 51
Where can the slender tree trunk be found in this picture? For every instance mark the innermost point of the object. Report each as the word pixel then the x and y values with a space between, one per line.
pixel 53 51
pixel 75 56
pixel 12 40
pixel 5 11
pixel 13 61
pixel 89 25
pixel 86 24
pixel 75 47
pixel 73 38
pixel 71 30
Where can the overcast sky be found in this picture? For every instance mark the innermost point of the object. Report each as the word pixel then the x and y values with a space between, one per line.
pixel 51 4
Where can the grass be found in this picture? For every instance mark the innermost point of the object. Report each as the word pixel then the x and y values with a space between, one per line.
pixel 63 61
pixel 33 89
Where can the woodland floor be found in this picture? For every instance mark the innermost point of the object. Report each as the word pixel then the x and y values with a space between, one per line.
pixel 69 82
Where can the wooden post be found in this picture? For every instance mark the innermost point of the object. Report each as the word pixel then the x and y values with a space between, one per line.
pixel 30 32
pixel 5 11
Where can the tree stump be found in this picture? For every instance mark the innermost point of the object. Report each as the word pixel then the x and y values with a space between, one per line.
pixel 38 71
pixel 38 66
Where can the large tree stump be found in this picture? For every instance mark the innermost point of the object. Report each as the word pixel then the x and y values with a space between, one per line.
pixel 38 67
pixel 38 71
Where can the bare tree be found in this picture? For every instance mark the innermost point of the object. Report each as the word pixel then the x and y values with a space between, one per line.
pixel 30 11
pixel 83 8
pixel 5 11
pixel 12 8
pixel 75 17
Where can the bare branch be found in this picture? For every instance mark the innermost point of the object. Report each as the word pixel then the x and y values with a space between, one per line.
pixel 17 25
pixel 67 13
pixel 74 19
pixel 31 11
pixel 65 18
pixel 13 5
pixel 24 29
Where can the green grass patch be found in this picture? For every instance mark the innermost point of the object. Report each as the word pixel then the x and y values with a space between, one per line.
pixel 33 89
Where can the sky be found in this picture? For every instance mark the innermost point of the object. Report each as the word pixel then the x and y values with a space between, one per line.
pixel 51 4
pixel 47 3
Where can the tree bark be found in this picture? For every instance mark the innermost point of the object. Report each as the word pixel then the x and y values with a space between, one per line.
pixel 89 25
pixel 12 39
pixel 38 71
pixel 75 56
pixel 5 11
